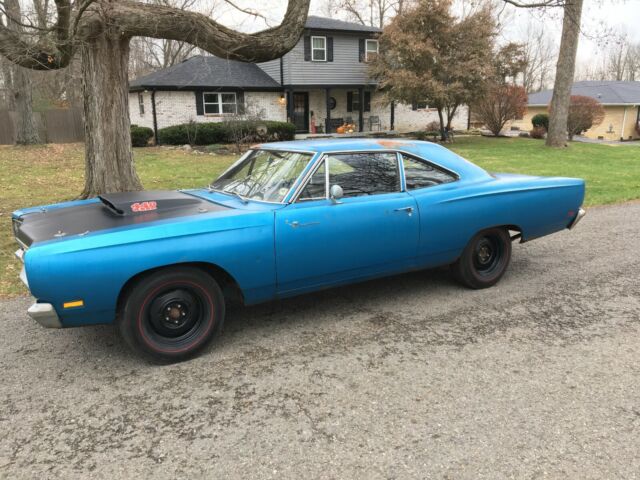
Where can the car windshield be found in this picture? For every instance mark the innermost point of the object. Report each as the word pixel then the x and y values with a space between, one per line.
pixel 265 175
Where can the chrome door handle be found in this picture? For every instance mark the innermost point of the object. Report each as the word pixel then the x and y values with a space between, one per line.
pixel 409 210
pixel 296 224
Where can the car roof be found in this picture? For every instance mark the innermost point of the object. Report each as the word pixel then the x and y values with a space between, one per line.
pixel 430 151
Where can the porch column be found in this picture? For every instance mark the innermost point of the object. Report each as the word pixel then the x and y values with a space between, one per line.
pixel 289 96
pixel 327 101
pixel 392 120
pixel 360 109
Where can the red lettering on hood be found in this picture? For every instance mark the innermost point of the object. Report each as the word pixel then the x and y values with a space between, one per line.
pixel 143 206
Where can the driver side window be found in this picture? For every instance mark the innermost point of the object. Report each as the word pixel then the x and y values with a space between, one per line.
pixel 364 173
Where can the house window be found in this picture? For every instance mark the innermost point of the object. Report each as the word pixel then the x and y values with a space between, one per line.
pixel 141 103
pixel 319 49
pixel 371 50
pixel 220 103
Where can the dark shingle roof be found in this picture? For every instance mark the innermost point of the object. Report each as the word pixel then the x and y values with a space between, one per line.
pixel 206 72
pixel 606 92
pixel 322 23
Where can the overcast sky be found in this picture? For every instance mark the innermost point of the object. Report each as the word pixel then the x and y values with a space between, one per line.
pixel 601 18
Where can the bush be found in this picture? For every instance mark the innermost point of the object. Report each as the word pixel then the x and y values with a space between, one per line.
pixel 223 132
pixel 541 120
pixel 584 113
pixel 538 132
pixel 501 103
pixel 140 136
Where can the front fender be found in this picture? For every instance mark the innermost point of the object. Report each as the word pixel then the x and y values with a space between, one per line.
pixel 95 268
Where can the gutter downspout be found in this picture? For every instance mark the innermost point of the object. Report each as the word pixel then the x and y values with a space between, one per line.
pixel 155 117
pixel 624 122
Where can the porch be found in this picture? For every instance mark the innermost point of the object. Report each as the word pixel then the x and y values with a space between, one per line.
pixel 321 110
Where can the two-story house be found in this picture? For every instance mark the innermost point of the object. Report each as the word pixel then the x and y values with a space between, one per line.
pixel 320 84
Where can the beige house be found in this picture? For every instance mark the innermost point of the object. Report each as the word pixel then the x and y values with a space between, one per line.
pixel 621 101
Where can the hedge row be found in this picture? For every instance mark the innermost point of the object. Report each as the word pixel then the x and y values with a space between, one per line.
pixel 223 132
pixel 140 136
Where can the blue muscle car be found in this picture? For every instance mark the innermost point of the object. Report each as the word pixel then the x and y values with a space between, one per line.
pixel 286 218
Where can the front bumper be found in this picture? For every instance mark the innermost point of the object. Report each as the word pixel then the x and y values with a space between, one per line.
pixel 45 315
pixel 581 213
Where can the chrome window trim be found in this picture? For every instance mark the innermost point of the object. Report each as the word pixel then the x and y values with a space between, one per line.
pixel 270 149
pixel 321 157
pixel 399 153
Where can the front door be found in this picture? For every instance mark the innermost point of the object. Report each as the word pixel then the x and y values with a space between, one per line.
pixel 373 229
pixel 300 111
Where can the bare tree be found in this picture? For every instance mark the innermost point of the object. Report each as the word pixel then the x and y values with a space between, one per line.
pixel 375 13
pixel 539 54
pixel 101 31
pixel 565 65
pixel 150 54
pixel 20 86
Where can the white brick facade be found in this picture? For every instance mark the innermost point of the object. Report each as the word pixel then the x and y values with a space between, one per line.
pixel 173 108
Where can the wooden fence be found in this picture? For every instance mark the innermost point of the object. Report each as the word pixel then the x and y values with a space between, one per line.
pixel 55 126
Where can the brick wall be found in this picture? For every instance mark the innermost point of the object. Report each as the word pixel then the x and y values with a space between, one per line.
pixel 173 108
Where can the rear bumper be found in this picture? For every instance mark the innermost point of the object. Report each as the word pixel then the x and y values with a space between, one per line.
pixel 45 315
pixel 581 213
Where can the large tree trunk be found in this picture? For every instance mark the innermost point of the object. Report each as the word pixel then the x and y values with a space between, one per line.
pixel 109 163
pixel 27 129
pixel 557 135
pixel 21 88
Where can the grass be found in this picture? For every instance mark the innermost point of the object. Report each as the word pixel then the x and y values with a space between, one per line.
pixel 612 172
pixel 54 173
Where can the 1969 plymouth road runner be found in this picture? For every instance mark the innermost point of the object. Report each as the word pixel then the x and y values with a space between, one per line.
pixel 286 218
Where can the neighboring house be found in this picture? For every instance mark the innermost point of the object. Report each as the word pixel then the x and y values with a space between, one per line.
pixel 621 102
pixel 322 81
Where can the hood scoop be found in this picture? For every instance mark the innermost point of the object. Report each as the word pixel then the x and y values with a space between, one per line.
pixel 138 203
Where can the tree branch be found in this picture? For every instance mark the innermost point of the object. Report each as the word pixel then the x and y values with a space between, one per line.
pixel 138 19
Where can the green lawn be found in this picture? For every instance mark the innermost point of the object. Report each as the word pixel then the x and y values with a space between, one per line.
pixel 612 172
pixel 54 173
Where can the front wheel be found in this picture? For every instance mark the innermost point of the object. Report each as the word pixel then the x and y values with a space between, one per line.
pixel 171 314
pixel 484 259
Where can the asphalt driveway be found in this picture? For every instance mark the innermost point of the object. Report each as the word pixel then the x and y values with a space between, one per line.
pixel 406 377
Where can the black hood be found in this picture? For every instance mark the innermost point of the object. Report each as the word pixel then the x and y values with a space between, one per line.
pixel 114 210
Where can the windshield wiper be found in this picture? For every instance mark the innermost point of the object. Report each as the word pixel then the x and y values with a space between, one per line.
pixel 233 194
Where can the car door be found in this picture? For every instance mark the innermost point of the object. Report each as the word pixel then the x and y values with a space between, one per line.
pixel 373 229
pixel 443 223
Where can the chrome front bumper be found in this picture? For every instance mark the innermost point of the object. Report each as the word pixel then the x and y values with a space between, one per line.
pixel 581 213
pixel 45 315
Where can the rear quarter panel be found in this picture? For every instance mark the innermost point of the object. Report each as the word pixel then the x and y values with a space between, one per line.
pixel 94 268
pixel 451 214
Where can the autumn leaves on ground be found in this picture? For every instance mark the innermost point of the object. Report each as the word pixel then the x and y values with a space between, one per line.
pixel 54 173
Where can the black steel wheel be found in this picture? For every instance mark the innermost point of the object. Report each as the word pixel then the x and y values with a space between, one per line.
pixel 485 259
pixel 172 314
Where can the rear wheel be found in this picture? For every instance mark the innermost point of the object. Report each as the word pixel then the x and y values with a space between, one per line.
pixel 171 314
pixel 484 259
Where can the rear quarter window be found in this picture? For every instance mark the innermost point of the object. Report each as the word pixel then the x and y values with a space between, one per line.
pixel 421 174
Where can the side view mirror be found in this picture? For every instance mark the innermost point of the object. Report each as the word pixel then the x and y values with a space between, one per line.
pixel 336 193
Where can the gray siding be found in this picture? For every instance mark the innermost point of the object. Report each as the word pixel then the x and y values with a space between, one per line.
pixel 272 68
pixel 346 69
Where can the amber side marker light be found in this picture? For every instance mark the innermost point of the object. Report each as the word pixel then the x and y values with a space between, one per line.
pixel 74 304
